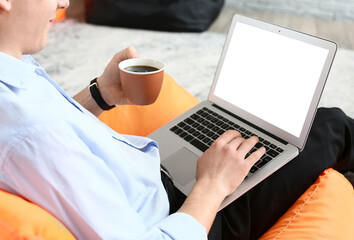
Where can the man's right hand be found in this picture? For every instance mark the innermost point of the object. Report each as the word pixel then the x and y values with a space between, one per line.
pixel 224 162
pixel 220 170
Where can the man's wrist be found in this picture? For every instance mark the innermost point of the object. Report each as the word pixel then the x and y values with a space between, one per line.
pixel 96 95
pixel 215 189
pixel 203 202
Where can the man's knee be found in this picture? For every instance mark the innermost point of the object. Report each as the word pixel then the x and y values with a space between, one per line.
pixel 334 117
pixel 329 113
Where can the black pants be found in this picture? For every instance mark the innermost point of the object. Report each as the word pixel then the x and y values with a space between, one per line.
pixel 330 144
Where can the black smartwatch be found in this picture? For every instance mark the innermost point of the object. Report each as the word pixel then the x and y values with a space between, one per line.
pixel 96 95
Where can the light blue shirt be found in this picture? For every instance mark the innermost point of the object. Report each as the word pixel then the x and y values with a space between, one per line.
pixel 98 183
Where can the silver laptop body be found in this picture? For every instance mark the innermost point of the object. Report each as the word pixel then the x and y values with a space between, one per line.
pixel 268 82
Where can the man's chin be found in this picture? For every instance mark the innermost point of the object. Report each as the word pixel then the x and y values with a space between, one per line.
pixel 36 50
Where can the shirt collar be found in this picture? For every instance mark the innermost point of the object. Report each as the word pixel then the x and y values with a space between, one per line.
pixel 15 72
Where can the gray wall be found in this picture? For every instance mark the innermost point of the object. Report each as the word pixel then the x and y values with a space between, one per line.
pixel 329 9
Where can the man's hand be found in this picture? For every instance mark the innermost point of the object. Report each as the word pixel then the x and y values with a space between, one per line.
pixel 220 170
pixel 109 83
pixel 224 163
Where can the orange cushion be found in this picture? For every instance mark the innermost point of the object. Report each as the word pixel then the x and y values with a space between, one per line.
pixel 324 211
pixel 20 219
pixel 142 120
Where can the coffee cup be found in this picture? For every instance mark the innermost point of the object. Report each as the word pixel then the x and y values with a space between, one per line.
pixel 141 79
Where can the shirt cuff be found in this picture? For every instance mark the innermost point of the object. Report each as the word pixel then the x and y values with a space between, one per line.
pixel 182 226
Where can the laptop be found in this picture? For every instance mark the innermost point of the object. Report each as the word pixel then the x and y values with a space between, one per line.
pixel 268 83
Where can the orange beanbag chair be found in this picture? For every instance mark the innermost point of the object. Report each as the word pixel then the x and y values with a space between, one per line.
pixel 20 220
pixel 324 211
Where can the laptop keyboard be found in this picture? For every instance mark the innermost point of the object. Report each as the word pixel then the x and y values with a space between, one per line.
pixel 202 128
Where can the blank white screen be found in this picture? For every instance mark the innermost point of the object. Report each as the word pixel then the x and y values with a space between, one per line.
pixel 271 76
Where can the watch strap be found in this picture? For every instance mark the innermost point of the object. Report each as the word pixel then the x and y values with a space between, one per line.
pixel 96 95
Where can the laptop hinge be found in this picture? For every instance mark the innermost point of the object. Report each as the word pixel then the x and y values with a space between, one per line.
pixel 250 124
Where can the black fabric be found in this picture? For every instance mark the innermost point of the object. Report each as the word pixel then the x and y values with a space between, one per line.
pixel 175 197
pixel 166 15
pixel 330 144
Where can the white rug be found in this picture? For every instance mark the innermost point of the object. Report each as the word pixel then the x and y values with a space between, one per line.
pixel 77 52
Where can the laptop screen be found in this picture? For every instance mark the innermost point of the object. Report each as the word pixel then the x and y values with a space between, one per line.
pixel 271 76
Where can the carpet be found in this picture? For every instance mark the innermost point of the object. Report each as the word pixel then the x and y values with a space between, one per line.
pixel 77 52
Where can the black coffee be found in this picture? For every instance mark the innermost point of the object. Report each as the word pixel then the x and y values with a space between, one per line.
pixel 141 69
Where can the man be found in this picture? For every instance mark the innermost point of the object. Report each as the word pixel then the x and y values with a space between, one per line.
pixel 100 184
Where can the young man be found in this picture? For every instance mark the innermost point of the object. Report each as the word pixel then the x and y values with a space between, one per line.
pixel 103 185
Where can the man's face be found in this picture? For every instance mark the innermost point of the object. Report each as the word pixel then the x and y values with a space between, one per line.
pixel 32 19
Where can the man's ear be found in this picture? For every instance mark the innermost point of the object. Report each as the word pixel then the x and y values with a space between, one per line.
pixel 5 5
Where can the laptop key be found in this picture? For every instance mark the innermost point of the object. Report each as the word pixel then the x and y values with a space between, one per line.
pixel 195 125
pixel 205 123
pixel 178 131
pixel 219 123
pixel 265 142
pixel 272 153
pixel 267 159
pixel 194 116
pixel 200 112
pixel 187 127
pixel 279 150
pixel 261 164
pixel 242 129
pixel 189 121
pixel 215 136
pixel 192 130
pixel 196 134
pixel 258 145
pixel 210 134
pixel 188 138
pixel 225 126
pixel 221 131
pixel 174 128
pixel 210 142
pixel 200 128
pixel 214 120
pixel 200 120
pixel 215 129
pixel 181 124
pixel 273 146
pixel 198 144
pixel 254 169
pixel 205 131
pixel 201 137
pixel 183 134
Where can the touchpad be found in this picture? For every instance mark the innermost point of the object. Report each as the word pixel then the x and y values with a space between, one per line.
pixel 182 166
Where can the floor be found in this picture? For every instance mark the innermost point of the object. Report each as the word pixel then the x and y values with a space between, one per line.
pixel 341 32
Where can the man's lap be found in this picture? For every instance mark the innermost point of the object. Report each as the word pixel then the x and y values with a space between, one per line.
pixel 330 144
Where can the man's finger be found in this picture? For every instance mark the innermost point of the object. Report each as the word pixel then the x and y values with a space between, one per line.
pixel 247 145
pixel 228 136
pixel 255 156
